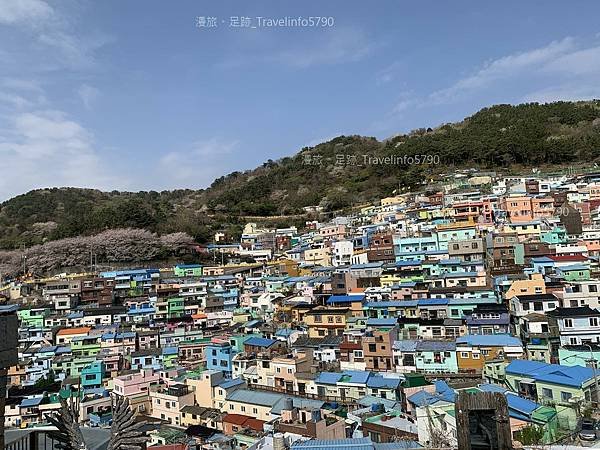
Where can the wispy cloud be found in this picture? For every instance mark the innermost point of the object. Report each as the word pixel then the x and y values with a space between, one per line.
pixel 339 46
pixel 515 65
pixel 47 148
pixel 88 95
pixel 329 47
pixel 197 166
pixel 27 12
pixel 566 69
pixel 389 73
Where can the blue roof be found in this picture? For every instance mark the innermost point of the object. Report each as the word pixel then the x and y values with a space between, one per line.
pixel 338 444
pixel 574 376
pixel 353 376
pixel 405 345
pixel 573 267
pixel 443 392
pixel 381 322
pixel 380 382
pixel 170 351
pixel 490 387
pixel 260 342
pixel 408 263
pixel 432 301
pixel 127 334
pixel 230 383
pixel 188 266
pixel 392 303
pixel 504 340
pixel 521 405
pixel 7 309
pixel 284 332
pixel 345 298
pixel 28 402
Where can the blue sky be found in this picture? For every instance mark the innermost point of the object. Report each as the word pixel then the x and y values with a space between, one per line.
pixel 133 95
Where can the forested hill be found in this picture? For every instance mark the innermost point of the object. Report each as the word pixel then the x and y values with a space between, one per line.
pixel 334 174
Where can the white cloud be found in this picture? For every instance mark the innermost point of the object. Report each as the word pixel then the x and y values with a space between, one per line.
pixel 213 147
pixel 26 12
pixel 332 46
pixel 340 46
pixel 566 69
pixel 510 66
pixel 197 166
pixel 46 148
pixel 88 95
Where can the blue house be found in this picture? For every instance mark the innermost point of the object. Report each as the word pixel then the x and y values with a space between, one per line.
pixel 92 375
pixel 219 355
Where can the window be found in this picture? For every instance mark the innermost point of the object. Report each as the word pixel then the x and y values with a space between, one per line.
pixel 547 393
pixel 243 408
pixel 593 321
pixel 565 396
pixel 593 288
pixel 231 407
pixel 255 410
pixel 568 323
pixel 464 354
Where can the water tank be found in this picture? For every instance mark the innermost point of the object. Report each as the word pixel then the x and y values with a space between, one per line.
pixel 315 415
pixel 278 441
pixel 288 404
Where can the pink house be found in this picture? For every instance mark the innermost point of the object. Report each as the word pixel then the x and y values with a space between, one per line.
pixel 136 388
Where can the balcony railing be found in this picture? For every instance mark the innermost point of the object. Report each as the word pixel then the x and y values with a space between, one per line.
pixel 28 440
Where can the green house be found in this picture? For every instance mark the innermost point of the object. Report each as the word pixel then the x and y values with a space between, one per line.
pixel 175 307
pixel 85 345
pixel 557 235
pixel 188 270
pixel 566 388
pixel 575 272
pixel 33 317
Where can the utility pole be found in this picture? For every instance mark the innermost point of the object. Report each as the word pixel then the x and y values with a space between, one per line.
pixel 593 362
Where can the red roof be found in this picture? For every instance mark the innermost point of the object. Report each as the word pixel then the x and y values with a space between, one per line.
pixel 236 419
pixel 169 447
pixel 559 258
pixel 255 424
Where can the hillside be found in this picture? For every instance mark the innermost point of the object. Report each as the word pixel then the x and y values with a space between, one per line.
pixel 495 137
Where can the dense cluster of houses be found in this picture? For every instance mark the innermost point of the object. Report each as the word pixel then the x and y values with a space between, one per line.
pixel 366 327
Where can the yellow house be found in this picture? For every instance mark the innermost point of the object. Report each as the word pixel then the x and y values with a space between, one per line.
pixel 532 286
pixel 326 321
pixel 318 256
pixel 389 201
